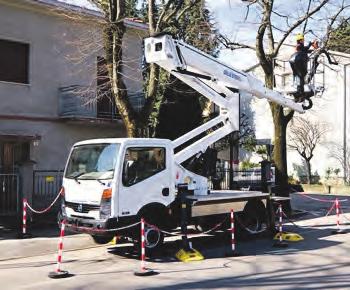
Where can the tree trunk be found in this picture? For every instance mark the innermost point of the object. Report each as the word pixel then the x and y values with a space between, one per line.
pixel 280 150
pixel 280 121
pixel 308 170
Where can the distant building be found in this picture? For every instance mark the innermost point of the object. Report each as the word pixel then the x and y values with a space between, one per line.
pixel 48 98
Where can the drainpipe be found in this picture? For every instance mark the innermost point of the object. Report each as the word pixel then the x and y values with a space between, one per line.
pixel 345 123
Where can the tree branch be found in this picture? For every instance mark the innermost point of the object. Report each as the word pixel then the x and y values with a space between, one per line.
pixel 232 44
pixel 296 24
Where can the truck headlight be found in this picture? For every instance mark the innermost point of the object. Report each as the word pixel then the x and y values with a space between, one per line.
pixel 105 208
pixel 63 207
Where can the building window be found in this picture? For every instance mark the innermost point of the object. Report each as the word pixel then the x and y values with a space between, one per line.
pixel 106 107
pixel 14 62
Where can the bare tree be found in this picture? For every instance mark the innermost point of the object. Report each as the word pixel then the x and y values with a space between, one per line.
pixel 273 29
pixel 336 151
pixel 304 136
pixel 159 17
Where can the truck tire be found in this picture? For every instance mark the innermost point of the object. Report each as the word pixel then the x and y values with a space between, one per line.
pixel 253 218
pixel 101 240
pixel 154 240
pixel 156 217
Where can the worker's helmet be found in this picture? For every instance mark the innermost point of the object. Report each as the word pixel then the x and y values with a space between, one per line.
pixel 300 36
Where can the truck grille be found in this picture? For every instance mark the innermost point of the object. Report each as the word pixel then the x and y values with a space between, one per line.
pixel 82 207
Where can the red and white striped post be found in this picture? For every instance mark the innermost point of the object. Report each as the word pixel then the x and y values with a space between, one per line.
pixel 23 233
pixel 143 250
pixel 280 223
pixel 58 272
pixel 60 247
pixel 24 224
pixel 144 271
pixel 233 252
pixel 280 243
pixel 337 210
pixel 233 231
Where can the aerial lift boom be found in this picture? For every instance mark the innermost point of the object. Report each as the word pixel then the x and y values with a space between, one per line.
pixel 217 81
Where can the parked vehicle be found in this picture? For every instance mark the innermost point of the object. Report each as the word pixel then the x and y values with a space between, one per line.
pixel 111 183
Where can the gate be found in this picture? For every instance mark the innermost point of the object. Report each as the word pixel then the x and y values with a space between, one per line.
pixel 46 185
pixel 9 194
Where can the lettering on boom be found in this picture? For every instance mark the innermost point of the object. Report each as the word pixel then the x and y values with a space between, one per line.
pixel 231 74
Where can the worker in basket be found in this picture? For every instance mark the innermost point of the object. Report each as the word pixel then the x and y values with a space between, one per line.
pixel 298 62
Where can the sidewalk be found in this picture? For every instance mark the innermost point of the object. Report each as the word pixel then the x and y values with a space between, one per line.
pixel 44 241
pixel 44 234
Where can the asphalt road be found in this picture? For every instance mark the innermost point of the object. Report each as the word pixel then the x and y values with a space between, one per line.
pixel 321 261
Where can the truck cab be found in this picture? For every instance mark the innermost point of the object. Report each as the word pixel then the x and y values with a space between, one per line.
pixel 107 181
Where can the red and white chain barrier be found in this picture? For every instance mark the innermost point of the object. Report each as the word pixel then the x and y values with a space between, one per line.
pixel 233 244
pixel 320 199
pixel 27 205
pixel 24 221
pixel 94 230
pixel 188 235
pixel 46 209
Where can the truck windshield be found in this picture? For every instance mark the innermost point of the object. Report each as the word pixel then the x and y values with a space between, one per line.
pixel 92 161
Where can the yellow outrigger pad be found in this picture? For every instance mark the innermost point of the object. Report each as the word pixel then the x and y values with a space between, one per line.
pixel 189 256
pixel 114 241
pixel 290 237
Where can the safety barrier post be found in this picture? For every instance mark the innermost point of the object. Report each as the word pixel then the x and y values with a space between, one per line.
pixel 24 234
pixel 337 209
pixel 144 271
pixel 233 252
pixel 60 273
pixel 279 243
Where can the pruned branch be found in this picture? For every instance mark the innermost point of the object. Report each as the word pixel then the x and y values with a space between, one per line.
pixel 232 44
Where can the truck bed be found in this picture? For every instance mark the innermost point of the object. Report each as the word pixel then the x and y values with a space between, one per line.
pixel 222 201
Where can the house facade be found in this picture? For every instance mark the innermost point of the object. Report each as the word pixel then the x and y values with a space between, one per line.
pixel 48 93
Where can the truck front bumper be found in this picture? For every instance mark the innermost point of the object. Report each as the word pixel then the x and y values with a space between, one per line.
pixel 86 225
pixel 106 227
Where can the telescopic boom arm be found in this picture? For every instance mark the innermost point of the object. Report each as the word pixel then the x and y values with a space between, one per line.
pixel 215 80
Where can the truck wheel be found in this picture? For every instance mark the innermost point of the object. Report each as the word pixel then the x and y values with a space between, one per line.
pixel 154 239
pixel 100 240
pixel 253 218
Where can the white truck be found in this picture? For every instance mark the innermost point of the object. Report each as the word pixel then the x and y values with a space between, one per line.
pixel 111 183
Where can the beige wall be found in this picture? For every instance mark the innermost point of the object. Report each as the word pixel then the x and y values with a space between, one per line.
pixel 62 53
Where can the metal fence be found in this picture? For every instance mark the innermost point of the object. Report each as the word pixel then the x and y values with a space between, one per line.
pixel 242 179
pixel 9 194
pixel 46 185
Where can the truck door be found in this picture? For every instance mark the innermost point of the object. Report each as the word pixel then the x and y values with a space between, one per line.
pixel 146 178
